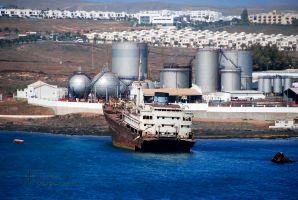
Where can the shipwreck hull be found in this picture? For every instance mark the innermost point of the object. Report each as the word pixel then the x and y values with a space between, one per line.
pixel 123 137
pixel 166 145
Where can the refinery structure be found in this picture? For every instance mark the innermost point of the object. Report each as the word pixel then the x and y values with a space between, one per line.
pixel 218 81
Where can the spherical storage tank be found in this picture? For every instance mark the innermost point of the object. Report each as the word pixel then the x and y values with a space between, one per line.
pixel 230 79
pixel 206 70
pixel 174 76
pixel 78 85
pixel 277 85
pixel 107 85
pixel 267 84
pixel 287 82
pixel 126 58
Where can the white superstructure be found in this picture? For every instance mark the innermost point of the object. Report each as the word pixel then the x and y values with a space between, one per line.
pixel 160 121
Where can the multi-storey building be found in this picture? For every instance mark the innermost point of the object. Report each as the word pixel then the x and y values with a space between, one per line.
pixel 169 17
pixel 273 18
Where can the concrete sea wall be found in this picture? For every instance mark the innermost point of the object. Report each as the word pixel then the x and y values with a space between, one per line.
pixel 62 107
pixel 200 110
pixel 256 113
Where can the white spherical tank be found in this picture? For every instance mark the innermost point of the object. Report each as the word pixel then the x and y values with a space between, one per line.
pixel 78 85
pixel 107 85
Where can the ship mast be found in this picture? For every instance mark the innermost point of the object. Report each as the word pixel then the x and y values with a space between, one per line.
pixel 138 100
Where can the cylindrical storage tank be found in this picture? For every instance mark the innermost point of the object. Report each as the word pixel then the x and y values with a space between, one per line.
pixel 173 76
pixel 260 84
pixel 107 85
pixel 245 64
pixel 228 59
pixel 78 85
pixel 206 70
pixel 246 82
pixel 277 85
pixel 230 80
pixel 267 84
pixel 144 60
pixel 126 58
pixel 287 82
pixel 150 84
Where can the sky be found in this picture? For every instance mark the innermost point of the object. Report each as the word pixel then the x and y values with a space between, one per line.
pixel 225 3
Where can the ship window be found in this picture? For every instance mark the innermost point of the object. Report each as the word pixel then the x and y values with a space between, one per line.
pixel 163 117
pixel 172 125
pixel 147 117
pixel 186 119
pixel 162 125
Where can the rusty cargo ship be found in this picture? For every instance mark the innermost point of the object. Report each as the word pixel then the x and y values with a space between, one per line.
pixel 150 127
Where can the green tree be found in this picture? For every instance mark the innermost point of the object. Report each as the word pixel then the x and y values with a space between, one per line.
pixel 270 58
pixel 244 17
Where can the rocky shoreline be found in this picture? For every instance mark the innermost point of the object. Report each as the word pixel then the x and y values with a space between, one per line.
pixel 91 124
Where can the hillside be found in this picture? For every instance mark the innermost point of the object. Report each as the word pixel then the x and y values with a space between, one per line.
pixel 64 25
pixel 55 62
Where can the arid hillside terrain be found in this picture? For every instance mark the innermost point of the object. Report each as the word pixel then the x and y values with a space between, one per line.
pixel 54 62
pixel 65 25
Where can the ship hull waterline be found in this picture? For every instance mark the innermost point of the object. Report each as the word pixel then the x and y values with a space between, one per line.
pixel 123 137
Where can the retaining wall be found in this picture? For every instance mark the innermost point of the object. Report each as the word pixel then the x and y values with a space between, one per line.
pixel 62 107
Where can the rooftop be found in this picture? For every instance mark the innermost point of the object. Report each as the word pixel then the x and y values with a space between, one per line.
pixel 173 91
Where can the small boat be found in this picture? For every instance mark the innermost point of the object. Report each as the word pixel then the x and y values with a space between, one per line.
pixel 18 141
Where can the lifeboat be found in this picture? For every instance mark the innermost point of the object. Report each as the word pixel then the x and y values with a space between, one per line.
pixel 18 141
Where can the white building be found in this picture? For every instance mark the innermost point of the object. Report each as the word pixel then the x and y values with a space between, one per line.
pixel 197 39
pixel 233 95
pixel 273 18
pixel 169 17
pixel 42 90
pixel 154 17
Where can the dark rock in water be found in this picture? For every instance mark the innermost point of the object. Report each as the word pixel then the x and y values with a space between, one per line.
pixel 281 158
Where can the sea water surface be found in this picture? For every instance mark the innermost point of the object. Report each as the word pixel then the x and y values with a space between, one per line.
pixel 50 166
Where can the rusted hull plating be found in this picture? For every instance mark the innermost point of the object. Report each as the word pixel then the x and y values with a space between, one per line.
pixel 123 137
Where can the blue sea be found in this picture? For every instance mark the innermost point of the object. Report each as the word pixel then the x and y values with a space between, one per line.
pixel 50 166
